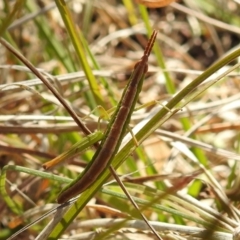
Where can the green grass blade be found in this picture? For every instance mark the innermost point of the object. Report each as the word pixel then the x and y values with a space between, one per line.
pixel 75 149
pixel 149 128
pixel 103 80
pixel 53 46
pixel 157 51
pixel 78 46
pixel 5 22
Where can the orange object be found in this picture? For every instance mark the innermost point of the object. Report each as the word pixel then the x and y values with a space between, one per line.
pixel 155 3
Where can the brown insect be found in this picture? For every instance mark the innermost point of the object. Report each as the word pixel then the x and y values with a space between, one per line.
pixel 155 3
pixel 115 131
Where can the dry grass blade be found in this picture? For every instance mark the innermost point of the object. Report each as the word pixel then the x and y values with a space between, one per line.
pixel 185 171
pixel 49 85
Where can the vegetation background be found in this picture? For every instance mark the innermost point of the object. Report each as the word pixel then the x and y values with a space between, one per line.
pixel 184 176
